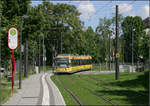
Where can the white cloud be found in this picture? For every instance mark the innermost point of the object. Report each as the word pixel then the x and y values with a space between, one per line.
pixel 86 8
pixel 144 11
pixel 131 14
pixel 125 8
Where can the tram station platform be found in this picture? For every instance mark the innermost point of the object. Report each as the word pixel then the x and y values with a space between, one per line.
pixel 38 89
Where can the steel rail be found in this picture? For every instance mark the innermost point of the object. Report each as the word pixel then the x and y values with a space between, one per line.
pixel 143 94
pixel 108 100
pixel 119 89
pixel 69 91
pixel 107 89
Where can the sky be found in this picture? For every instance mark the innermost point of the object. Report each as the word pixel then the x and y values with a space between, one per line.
pixel 92 11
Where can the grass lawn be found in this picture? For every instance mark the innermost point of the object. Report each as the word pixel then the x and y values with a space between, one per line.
pixel 46 68
pixel 6 90
pixel 99 68
pixel 131 89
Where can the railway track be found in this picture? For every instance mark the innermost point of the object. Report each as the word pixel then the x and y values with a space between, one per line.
pixel 109 88
pixel 105 88
pixel 140 93
pixel 69 91
pixel 108 100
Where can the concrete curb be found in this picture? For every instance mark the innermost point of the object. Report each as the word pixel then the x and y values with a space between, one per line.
pixel 58 98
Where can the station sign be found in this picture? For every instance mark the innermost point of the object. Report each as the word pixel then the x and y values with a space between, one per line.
pixel 13 41
pixel 13 38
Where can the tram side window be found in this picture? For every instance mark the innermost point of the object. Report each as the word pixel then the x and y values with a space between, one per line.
pixel 84 62
pixel 80 62
pixel 90 61
pixel 87 61
pixel 75 62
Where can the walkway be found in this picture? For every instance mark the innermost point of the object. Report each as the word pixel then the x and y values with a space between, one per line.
pixel 38 89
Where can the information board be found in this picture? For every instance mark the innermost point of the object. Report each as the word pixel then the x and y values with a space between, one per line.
pixel 13 38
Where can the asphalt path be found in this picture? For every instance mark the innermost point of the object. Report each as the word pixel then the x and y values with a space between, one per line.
pixel 38 89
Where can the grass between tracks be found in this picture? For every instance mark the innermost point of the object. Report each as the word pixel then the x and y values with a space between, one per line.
pixel 121 92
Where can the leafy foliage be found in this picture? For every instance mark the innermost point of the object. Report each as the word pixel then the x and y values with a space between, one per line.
pixel 52 22
pixel 133 33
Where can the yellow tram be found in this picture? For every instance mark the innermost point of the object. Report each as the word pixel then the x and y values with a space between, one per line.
pixel 66 63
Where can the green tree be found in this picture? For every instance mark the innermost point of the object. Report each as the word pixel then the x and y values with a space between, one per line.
pixel 104 31
pixel 144 48
pixel 60 20
pixel 133 31
pixel 11 11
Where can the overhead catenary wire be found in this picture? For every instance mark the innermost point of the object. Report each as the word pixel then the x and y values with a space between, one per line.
pixel 103 7
pixel 128 4
pixel 99 10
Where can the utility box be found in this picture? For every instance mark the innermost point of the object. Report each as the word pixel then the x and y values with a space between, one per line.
pixel 36 69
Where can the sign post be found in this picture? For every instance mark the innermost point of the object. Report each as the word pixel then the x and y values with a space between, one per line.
pixel 13 44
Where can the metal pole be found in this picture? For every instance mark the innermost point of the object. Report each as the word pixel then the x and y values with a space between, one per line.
pixel 20 63
pixel 123 50
pixel 132 50
pixel 33 59
pixel 0 51
pixel 39 53
pixel 27 67
pixel 43 55
pixel 61 43
pixel 109 53
pixel 26 59
pixel 117 50
pixel 13 69
pixel 52 56
pixel 149 53
pixel 44 58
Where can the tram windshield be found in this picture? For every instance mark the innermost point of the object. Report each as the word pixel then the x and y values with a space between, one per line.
pixel 62 62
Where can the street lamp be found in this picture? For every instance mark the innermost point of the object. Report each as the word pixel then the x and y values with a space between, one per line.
pixel 132 48
pixel 20 49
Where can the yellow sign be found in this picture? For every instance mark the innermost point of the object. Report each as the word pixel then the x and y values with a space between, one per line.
pixel 117 55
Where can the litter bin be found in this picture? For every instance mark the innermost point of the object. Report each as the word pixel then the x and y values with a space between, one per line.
pixel 36 69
